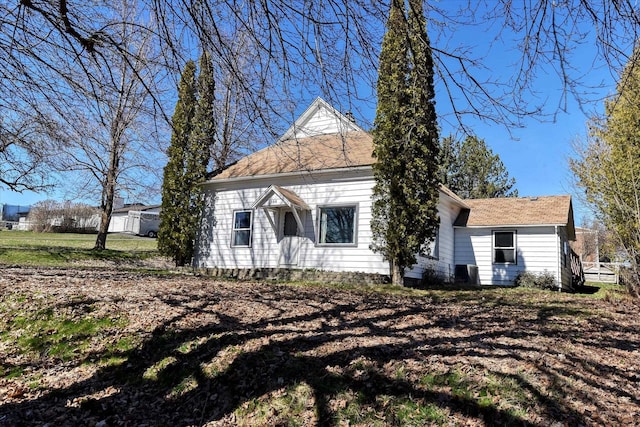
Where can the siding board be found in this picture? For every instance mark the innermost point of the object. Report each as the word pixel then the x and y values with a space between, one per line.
pixel 536 249
pixel 214 242
pixel 216 251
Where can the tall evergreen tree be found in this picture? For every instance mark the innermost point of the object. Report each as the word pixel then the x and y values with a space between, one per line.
pixel 198 155
pixel 473 171
pixel 189 155
pixel 172 239
pixel 405 195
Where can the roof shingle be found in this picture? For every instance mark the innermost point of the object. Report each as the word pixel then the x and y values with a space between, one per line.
pixel 330 151
pixel 512 211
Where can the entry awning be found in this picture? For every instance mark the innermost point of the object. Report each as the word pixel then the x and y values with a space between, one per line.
pixel 276 197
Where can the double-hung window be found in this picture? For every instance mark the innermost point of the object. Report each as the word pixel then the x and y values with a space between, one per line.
pixel 504 247
pixel 242 228
pixel 337 225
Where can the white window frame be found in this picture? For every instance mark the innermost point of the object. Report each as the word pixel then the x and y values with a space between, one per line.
pixel 235 229
pixel 434 246
pixel 514 248
pixel 354 239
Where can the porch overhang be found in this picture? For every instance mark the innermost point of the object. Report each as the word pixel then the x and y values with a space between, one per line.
pixel 276 197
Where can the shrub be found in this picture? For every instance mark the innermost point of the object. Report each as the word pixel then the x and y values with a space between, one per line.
pixel 544 280
pixel 431 279
pixel 63 217
pixel 630 278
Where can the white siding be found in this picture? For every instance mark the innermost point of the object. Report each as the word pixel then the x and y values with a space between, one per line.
pixel 322 122
pixel 118 223
pixel 214 247
pixel 320 118
pixel 537 251
pixel 443 261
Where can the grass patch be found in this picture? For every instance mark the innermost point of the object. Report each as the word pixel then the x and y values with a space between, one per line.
pixel 60 249
pixel 486 390
pixel 39 329
pixel 606 291
pixel 115 241
pixel 289 406
pixel 417 413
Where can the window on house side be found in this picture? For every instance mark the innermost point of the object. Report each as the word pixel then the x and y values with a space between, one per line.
pixel 242 228
pixel 504 247
pixel 337 225
pixel 434 246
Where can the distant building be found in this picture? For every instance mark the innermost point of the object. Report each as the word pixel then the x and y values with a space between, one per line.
pixel 13 213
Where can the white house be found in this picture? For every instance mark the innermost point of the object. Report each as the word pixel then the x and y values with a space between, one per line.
pixel 305 203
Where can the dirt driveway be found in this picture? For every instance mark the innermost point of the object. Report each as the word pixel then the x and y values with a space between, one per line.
pixel 184 350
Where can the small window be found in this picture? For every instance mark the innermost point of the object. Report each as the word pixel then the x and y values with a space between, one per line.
pixel 242 228
pixel 337 225
pixel 433 250
pixel 504 247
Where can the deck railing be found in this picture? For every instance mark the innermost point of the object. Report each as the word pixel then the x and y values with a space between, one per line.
pixel 577 272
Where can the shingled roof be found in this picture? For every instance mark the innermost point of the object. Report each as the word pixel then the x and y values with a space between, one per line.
pixel 331 151
pixel 512 211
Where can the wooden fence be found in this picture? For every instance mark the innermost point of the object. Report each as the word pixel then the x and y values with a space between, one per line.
pixel 604 272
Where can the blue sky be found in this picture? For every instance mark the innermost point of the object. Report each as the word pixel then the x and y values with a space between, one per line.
pixel 536 155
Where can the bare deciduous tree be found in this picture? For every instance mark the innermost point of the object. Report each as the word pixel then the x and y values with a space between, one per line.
pixel 298 49
pixel 22 163
pixel 110 139
pixel 67 216
pixel 92 87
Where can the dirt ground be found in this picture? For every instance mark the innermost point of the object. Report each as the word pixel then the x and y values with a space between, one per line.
pixel 206 352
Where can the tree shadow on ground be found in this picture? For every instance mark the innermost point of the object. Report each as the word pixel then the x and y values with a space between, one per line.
pixel 195 375
pixel 586 289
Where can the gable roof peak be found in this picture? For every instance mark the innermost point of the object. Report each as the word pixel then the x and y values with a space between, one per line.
pixel 320 118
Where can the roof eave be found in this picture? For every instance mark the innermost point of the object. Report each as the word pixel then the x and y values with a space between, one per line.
pixel 282 175
pixel 511 225
pixel 453 196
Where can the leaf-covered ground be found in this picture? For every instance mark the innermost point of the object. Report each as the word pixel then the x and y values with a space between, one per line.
pixel 115 348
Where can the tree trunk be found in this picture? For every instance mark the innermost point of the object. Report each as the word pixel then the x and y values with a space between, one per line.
pixel 397 274
pixel 108 194
pixel 105 217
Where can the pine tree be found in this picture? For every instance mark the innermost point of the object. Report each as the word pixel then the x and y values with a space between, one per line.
pixel 406 146
pixel 201 140
pixel 471 170
pixel 172 240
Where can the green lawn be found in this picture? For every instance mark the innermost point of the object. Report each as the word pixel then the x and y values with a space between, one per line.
pixel 60 249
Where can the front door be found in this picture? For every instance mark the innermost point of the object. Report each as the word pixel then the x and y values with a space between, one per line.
pixel 290 240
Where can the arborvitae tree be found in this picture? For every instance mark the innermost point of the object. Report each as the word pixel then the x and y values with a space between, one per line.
pixel 473 171
pixel 198 153
pixel 405 196
pixel 189 155
pixel 608 168
pixel 172 240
